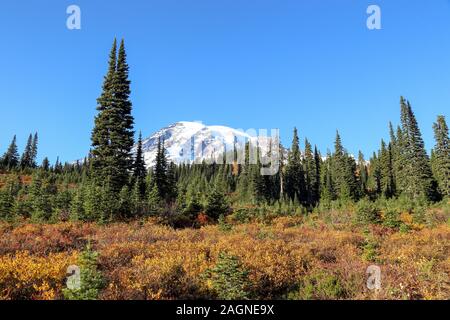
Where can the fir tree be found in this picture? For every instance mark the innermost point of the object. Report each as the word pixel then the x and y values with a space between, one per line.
pixel 45 164
pixel 91 281
pixel 441 163
pixel 154 200
pixel 416 170
pixel 34 151
pixel 294 176
pixel 328 192
pixel 171 183
pixel 26 159
pixel 318 166
pixel 10 159
pixel 310 175
pixel 160 170
pixel 40 191
pixel 121 124
pixel 139 170
pixel 362 174
pixel 344 168
pixel 112 136
pixel 101 150
pixel 375 174
pixel 387 171
pixel 7 199
pixel 216 204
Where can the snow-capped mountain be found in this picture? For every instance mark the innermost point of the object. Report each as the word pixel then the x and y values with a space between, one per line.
pixel 188 142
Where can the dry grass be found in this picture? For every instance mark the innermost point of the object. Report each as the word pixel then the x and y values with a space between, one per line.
pixel 289 258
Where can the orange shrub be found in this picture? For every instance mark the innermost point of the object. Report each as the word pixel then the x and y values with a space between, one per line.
pixel 23 276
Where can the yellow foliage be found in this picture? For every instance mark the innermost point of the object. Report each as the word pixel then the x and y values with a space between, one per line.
pixel 150 261
pixel 23 276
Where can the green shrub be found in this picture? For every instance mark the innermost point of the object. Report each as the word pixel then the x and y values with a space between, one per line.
pixel 319 286
pixel 418 215
pixel 367 212
pixel 216 204
pixel 242 215
pixel 229 279
pixel 224 225
pixel 391 219
pixel 91 280
pixel 404 228
pixel 370 250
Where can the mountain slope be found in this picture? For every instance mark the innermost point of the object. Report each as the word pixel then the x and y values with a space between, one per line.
pixel 186 142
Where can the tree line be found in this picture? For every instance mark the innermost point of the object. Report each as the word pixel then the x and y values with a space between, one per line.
pixel 113 182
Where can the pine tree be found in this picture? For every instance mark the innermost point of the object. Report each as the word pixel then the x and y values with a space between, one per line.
pixel 91 281
pixel 45 164
pixel 139 170
pixel 93 200
pixel 310 175
pixel 124 204
pixel 26 159
pixel 328 192
pixel 216 204
pixel 160 169
pixel 375 174
pixel 387 171
pixel 171 183
pixel 344 172
pixel 10 159
pixel 442 156
pixel 40 191
pixel 7 195
pixel 415 165
pixel 193 207
pixel 362 174
pixel 121 124
pixel 34 151
pixel 318 165
pixel 294 176
pixel 112 136
pixel 154 200
pixel 101 150
pixel 77 205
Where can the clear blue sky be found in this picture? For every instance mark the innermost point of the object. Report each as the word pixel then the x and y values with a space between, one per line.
pixel 246 64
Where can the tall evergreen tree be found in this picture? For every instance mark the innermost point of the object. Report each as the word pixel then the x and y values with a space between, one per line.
pixel 318 165
pixel 387 170
pixel 375 174
pixel 416 169
pixel 112 136
pixel 344 172
pixel 10 159
pixel 294 176
pixel 34 151
pixel 139 169
pixel 101 141
pixel 45 164
pixel 160 169
pixel 327 189
pixel 171 182
pixel 26 159
pixel 310 175
pixel 121 123
pixel 362 174
pixel 441 163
